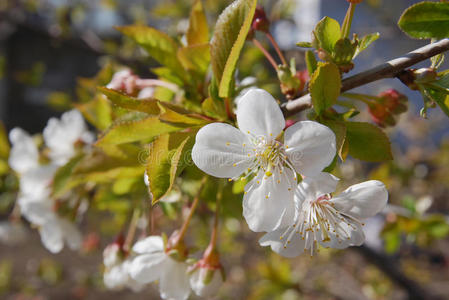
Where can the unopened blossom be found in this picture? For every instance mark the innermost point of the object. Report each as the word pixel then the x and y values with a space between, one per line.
pixel 124 81
pixel 257 150
pixel 322 219
pixel 206 282
pixel 62 135
pixel 116 275
pixel 151 263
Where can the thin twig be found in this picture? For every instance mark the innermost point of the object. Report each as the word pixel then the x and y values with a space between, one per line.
pixel 266 53
pixel 388 69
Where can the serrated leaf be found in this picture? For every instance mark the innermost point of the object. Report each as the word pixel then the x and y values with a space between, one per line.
pixel 165 162
pixel 439 97
pixel 339 129
pixel 365 42
pixel 325 86
pixel 311 62
pixel 367 142
pixel 228 39
pixel 182 120
pixel 159 45
pixel 148 106
pixel 214 108
pixel 426 20
pixel 98 112
pixel 343 51
pixel 195 58
pixel 327 32
pixel 61 180
pixel 198 31
pixel 132 131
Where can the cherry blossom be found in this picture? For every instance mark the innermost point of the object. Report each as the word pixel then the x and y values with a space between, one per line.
pixel 152 263
pixel 322 219
pixel 256 150
pixel 205 281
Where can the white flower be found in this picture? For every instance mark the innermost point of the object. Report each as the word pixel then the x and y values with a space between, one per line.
pixel 12 233
pixel 146 92
pixel 206 282
pixel 224 151
pixel 152 263
pixel 334 222
pixel 60 136
pixel 116 275
pixel 248 83
pixel 24 155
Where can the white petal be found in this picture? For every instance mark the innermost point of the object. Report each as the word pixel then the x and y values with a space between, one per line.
pixel 146 268
pixel 72 235
pixel 150 244
pixel 280 246
pixel 268 201
pixel 174 282
pixel 36 183
pixel 347 236
pixel 24 155
pixel 311 147
pixel 259 113
pixel 116 277
pixel 36 212
pixel 362 200
pixel 221 150
pixel 318 185
pixel 209 288
pixel 51 236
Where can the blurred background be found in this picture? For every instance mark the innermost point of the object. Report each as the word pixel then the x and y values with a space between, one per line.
pixel 48 46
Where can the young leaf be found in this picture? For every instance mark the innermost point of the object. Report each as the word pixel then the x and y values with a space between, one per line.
pixel 439 97
pixel 304 44
pixel 165 162
pixel 159 45
pixel 4 143
pixel 198 31
pixel 61 180
pixel 325 86
pixel 214 108
pixel 311 62
pixel 367 142
pixel 148 106
pixel 228 39
pixel 182 120
pixel 132 131
pixel 339 128
pixel 195 58
pixel 97 111
pixel 365 42
pixel 426 20
pixel 327 32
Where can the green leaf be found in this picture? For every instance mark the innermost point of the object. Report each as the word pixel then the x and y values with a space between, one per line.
pixel 159 45
pixel 196 57
pixel 167 157
pixel 304 44
pixel 365 42
pixel 229 37
pixel 327 32
pixel 367 142
pixel 148 106
pixel 311 62
pixel 439 97
pixel 61 180
pixel 132 131
pixel 343 51
pixel 426 20
pixel 214 108
pixel 325 86
pixel 97 111
pixel 179 119
pixel 198 31
pixel 339 128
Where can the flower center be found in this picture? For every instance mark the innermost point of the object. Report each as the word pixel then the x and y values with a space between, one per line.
pixel 319 221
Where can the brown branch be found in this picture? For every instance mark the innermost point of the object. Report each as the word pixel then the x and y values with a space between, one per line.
pixel 388 69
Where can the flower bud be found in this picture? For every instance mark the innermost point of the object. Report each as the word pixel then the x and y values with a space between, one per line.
pixel 206 280
pixel 425 75
pixel 124 81
pixel 389 104
pixel 260 20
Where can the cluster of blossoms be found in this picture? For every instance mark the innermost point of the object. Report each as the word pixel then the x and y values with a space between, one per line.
pixel 386 107
pixel 153 259
pixel 63 138
pixel 297 217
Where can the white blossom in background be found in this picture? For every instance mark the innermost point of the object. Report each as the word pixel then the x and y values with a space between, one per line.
pixel 152 263
pixel 12 233
pixel 35 179
pixel 146 92
pixel 224 151
pixel 62 135
pixel 206 282
pixel 322 219
pixel 124 81
pixel 116 274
